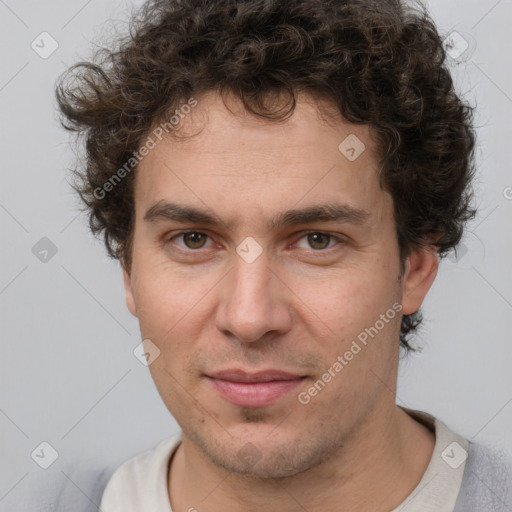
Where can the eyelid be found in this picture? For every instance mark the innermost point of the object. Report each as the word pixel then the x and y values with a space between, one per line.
pixel 332 236
pixel 336 237
pixel 168 239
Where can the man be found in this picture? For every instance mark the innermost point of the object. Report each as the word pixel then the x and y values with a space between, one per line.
pixel 279 181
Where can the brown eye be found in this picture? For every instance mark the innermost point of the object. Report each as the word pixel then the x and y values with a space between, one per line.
pixel 191 240
pixel 319 241
pixel 194 240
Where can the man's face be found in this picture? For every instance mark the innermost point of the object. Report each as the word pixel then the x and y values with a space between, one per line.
pixel 249 295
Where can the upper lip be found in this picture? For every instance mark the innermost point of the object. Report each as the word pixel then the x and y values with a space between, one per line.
pixel 236 375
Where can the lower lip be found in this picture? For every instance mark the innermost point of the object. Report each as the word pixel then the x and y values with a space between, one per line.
pixel 254 394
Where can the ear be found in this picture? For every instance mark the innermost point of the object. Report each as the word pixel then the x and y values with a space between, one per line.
pixel 130 299
pixel 420 271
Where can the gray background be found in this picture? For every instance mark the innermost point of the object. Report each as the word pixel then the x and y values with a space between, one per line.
pixel 68 373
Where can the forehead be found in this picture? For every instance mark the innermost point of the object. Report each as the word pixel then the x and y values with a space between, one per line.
pixel 223 121
pixel 225 155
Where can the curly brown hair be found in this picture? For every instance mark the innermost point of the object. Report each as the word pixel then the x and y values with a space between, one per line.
pixel 379 62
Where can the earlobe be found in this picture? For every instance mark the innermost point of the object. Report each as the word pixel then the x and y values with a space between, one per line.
pixel 130 299
pixel 420 271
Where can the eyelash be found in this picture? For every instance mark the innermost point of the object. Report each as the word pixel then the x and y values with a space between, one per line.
pixel 305 234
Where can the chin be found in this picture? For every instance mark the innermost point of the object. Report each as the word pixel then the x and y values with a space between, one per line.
pixel 264 450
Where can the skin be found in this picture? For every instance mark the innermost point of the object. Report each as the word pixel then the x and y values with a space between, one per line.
pixel 296 308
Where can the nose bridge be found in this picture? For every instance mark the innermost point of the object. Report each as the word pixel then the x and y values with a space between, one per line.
pixel 252 304
pixel 252 279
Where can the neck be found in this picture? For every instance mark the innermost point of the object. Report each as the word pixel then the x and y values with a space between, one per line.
pixel 375 468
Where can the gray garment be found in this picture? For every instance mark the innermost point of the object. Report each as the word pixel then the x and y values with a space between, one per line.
pixel 69 490
pixel 487 481
pixel 486 487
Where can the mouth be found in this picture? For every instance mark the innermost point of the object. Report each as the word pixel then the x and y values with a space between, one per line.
pixel 253 389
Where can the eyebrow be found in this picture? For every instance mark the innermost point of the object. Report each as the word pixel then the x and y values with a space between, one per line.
pixel 330 212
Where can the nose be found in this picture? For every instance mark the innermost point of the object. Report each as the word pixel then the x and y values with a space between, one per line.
pixel 254 302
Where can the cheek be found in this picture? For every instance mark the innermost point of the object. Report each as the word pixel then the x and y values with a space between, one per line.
pixel 359 313
pixel 167 298
pixel 174 309
pixel 348 300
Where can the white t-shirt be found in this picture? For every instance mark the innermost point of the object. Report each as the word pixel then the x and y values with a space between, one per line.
pixel 140 484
